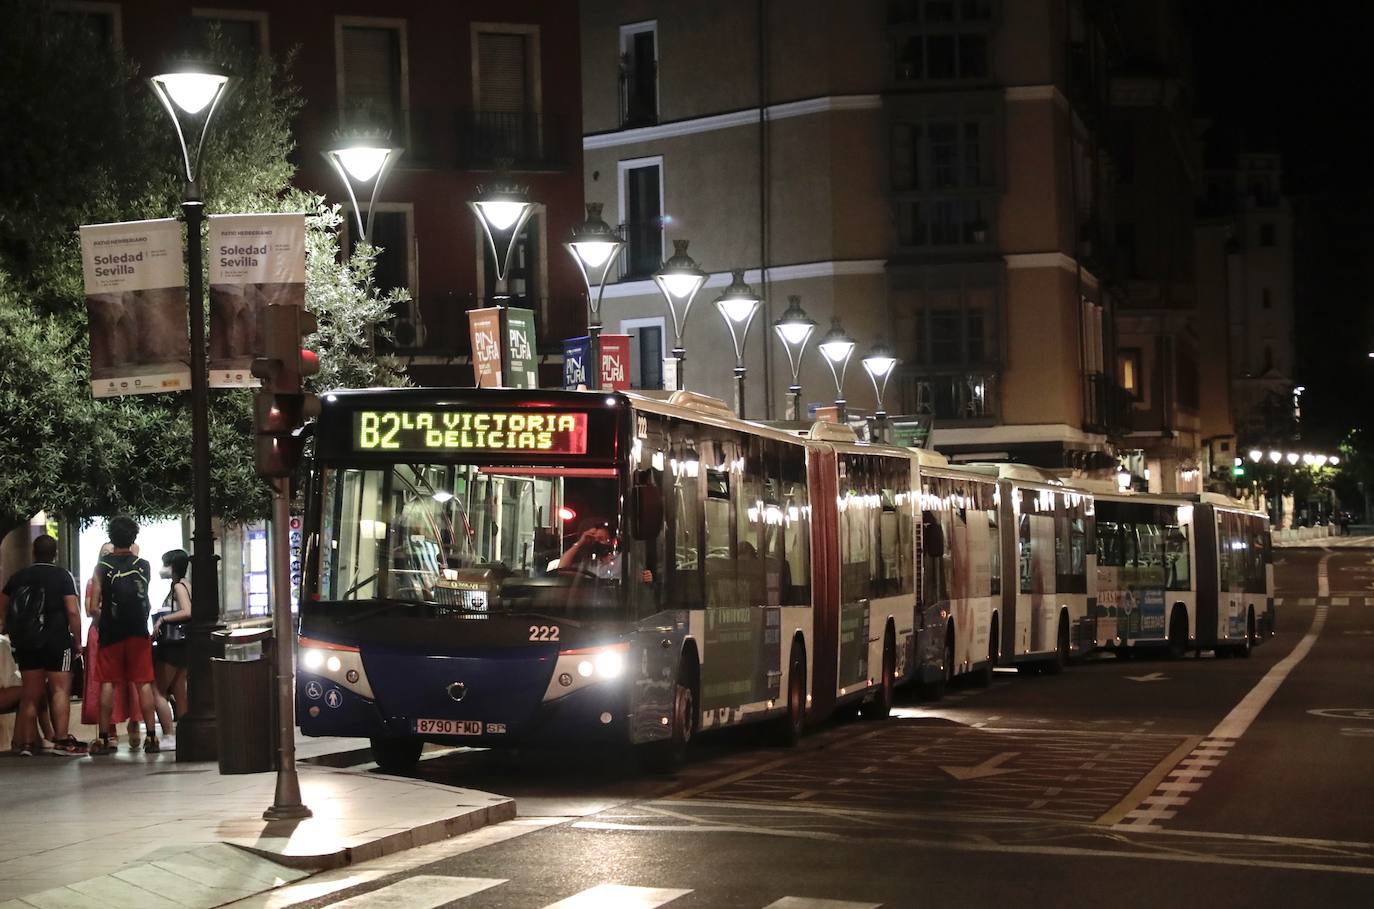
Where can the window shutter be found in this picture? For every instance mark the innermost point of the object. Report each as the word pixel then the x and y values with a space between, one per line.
pixel 372 77
pixel 503 72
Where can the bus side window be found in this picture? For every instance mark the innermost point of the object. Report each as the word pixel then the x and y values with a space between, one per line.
pixel 717 461
pixel 795 579
pixel 684 518
pixel 1176 546
pixel 988 503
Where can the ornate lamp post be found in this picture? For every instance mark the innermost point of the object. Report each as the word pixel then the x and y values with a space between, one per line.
pixel 738 306
pixel 502 209
pixel 191 90
pixel 679 280
pixel 836 348
pixel 794 329
pixel 363 157
pixel 594 247
pixel 879 365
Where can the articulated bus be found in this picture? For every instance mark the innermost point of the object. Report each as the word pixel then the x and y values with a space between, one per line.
pixel 488 567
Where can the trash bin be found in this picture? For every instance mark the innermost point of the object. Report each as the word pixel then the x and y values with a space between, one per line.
pixel 245 725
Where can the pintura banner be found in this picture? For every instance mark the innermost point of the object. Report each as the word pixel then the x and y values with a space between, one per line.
pixel 136 307
pixel 255 261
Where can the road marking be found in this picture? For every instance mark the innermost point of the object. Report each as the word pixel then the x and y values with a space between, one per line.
pixel 423 891
pixel 989 767
pixel 1152 677
pixel 1323 576
pixel 1344 713
pixel 619 896
pixel 1148 783
pixel 801 902
pixel 1239 719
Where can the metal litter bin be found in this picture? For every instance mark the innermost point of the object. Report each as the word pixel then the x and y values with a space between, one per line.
pixel 244 707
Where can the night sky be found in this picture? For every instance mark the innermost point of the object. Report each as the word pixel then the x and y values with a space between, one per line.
pixel 1296 77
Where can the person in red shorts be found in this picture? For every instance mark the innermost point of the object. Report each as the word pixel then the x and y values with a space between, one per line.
pixel 126 648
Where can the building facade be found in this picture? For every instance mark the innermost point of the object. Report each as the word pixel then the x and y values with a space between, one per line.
pixel 930 174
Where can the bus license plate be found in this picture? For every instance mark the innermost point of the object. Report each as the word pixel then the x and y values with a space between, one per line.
pixel 448 727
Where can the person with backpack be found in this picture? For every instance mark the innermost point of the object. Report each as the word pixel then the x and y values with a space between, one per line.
pixel 39 611
pixel 126 648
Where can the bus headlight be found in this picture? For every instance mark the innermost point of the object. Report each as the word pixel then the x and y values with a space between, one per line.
pixel 610 664
pixel 333 664
pixel 585 669
pixel 312 659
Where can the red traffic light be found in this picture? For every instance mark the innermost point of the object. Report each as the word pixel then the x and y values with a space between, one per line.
pixel 281 362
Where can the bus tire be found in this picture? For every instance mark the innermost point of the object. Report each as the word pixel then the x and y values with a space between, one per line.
pixel 1061 648
pixel 1178 633
pixel 787 732
pixel 879 706
pixel 934 691
pixel 667 755
pixel 983 677
pixel 1248 645
pixel 396 755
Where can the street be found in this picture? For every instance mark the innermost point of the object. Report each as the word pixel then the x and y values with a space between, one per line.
pixel 1143 781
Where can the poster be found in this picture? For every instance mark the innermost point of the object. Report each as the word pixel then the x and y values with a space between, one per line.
pixel 136 307
pixel 522 358
pixel 615 362
pixel 255 261
pixel 484 326
pixel 575 353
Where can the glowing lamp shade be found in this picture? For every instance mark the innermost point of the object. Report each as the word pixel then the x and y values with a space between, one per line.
pixel 363 162
pixel 681 286
pixel 1333 461
pixel 738 309
pixel 1292 457
pixel 1256 455
pixel 442 496
pixel 501 214
pixel 838 350
pixel 1320 460
pixel 192 92
pixel 593 253
pixel 1276 456
pixel 879 366
pixel 795 333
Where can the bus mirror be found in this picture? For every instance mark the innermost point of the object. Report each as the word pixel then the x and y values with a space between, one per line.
pixel 932 536
pixel 647 502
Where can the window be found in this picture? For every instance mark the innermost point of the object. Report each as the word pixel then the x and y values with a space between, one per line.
pixel 101 21
pixel 391 233
pixel 1266 234
pixel 952 327
pixel 941 160
pixel 639 74
pixel 641 215
pixel 941 39
pixel 1128 372
pixel 646 351
pixel 503 73
pixel 243 31
pixel 372 74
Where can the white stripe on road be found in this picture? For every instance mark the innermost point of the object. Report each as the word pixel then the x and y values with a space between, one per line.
pixel 1244 713
pixel 1323 576
pixel 801 902
pixel 619 896
pixel 423 891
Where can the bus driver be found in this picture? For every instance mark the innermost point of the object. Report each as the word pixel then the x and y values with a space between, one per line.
pixel 594 553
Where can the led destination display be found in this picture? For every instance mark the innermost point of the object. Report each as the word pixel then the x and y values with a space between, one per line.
pixel 486 431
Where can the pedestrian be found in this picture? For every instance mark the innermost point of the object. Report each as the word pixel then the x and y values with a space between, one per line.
pixel 126 648
pixel 170 655
pixel 39 610
pixel 125 694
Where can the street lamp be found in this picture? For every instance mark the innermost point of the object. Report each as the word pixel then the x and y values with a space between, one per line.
pixel 738 305
pixel 679 280
pixel 879 365
pixel 1256 455
pixel 794 329
pixel 1291 457
pixel 1276 456
pixel 363 157
pixel 594 247
pixel 191 89
pixel 836 347
pixel 502 209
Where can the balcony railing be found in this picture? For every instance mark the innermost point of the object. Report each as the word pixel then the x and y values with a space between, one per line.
pixel 1106 406
pixel 952 397
pixel 643 251
pixel 529 140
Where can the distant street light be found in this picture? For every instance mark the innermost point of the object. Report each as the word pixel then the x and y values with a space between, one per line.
pixel 1256 455
pixel 1276 456
pixel 502 209
pixel 836 348
pixel 594 247
pixel 794 329
pixel 1291 457
pixel 363 157
pixel 679 280
pixel 879 365
pixel 737 306
pixel 191 89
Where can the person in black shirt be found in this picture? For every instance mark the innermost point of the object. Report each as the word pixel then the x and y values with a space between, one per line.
pixel 45 645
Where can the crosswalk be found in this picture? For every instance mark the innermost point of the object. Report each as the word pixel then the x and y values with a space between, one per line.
pixel 429 891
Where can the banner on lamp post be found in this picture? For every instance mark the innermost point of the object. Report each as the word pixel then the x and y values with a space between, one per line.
pixel 136 307
pixel 615 362
pixel 255 261
pixel 521 360
pixel 576 352
pixel 484 327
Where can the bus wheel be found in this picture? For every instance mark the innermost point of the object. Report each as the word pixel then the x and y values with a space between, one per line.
pixel 1061 649
pixel 787 732
pixel 396 755
pixel 983 677
pixel 1178 634
pixel 665 756
pixel 880 705
pixel 1244 648
pixel 933 691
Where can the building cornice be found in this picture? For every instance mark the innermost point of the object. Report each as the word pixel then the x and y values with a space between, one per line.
pixel 747 117
pixel 1049 260
pixel 798 272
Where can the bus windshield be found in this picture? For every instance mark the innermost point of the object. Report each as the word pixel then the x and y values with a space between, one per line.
pixel 472 540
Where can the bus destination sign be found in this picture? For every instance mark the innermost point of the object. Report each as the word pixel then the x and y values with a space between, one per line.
pixel 477 431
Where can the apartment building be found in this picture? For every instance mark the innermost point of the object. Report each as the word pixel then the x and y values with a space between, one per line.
pixel 928 172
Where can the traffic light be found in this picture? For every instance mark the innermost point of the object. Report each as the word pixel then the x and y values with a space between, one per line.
pixel 282 406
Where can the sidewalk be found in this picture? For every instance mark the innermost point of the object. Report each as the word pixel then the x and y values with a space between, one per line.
pixel 143 830
pixel 1352 541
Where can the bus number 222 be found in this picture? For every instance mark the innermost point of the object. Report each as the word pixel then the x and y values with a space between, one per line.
pixel 543 632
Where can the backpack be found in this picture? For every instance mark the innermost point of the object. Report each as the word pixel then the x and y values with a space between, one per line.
pixel 26 618
pixel 125 596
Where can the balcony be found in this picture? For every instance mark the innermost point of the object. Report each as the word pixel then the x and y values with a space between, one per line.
pixel 1106 406
pixel 643 251
pixel 954 397
pixel 530 141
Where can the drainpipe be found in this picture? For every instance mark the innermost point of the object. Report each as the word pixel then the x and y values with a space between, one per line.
pixel 764 175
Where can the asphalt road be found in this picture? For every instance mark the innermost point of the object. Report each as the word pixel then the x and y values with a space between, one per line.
pixel 1141 782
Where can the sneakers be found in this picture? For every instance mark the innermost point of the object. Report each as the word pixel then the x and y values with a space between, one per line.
pixel 151 745
pixel 103 745
pixel 69 745
pixel 25 749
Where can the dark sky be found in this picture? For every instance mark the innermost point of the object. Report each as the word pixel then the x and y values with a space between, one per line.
pixel 1297 77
